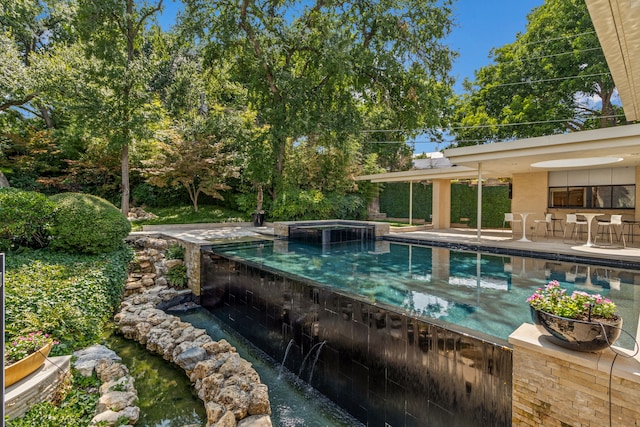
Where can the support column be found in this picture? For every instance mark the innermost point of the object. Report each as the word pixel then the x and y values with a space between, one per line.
pixel 410 202
pixel 479 219
pixel 441 204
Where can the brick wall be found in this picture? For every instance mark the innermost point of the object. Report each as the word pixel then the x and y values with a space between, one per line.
pixel 557 387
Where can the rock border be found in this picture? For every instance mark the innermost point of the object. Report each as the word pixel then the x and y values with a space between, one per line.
pixel 118 394
pixel 230 388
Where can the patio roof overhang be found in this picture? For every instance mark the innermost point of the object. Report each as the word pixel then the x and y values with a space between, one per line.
pixel 617 23
pixel 502 160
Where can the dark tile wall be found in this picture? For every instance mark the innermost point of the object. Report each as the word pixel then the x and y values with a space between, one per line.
pixel 385 368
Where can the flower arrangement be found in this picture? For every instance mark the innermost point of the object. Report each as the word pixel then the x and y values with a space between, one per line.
pixel 22 346
pixel 579 305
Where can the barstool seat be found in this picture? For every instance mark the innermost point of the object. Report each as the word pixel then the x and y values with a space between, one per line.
pixel 614 222
pixel 577 224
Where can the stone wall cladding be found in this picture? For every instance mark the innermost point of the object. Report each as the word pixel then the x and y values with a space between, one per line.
pixel 227 384
pixel 562 388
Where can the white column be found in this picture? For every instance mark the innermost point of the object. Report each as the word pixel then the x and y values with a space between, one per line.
pixel 479 226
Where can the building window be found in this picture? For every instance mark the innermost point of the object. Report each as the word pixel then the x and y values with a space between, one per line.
pixel 598 197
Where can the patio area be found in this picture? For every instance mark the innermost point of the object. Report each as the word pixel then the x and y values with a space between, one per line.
pixel 506 241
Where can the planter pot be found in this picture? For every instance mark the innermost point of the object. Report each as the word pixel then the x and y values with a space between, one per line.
pixel 25 367
pixel 578 335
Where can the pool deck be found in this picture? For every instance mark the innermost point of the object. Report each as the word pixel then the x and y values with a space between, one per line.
pixel 492 240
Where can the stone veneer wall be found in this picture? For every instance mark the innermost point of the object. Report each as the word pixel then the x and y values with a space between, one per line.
pixel 557 387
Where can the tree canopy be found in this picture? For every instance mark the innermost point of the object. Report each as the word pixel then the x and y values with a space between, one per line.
pixel 552 79
pixel 314 70
pixel 90 87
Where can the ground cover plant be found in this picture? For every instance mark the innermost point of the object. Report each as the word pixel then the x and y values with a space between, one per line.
pixel 186 215
pixel 70 297
pixel 76 408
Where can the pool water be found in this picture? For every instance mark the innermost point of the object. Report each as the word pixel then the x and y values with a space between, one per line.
pixel 478 292
pixel 166 397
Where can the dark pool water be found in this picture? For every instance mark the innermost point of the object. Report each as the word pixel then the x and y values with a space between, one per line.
pixel 165 395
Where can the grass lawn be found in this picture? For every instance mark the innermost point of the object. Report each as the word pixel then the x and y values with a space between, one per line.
pixel 186 215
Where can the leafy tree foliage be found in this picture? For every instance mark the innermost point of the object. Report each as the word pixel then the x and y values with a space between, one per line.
pixel 313 69
pixel 552 79
pixel 121 107
pixel 197 159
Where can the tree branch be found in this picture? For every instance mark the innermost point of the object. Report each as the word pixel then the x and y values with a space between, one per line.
pixel 145 16
pixel 256 47
pixel 17 102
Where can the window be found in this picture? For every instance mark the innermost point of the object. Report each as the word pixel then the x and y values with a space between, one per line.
pixel 599 197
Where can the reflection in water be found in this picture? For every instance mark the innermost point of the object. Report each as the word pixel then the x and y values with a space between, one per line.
pixel 482 292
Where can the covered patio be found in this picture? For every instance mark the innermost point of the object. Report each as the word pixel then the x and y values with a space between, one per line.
pixel 593 172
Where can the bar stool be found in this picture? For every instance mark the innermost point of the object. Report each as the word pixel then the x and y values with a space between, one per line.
pixel 508 217
pixel 614 221
pixel 547 226
pixel 573 219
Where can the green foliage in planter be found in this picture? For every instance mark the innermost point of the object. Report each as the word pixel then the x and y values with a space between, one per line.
pixel 67 296
pixel 174 251
pixel 76 409
pixel 87 224
pixel 177 276
pixel 25 219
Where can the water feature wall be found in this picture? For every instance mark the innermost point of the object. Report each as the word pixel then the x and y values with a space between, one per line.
pixel 331 233
pixel 384 367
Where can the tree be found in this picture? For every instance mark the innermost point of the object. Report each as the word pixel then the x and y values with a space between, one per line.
pixel 123 108
pixel 313 69
pixel 30 29
pixel 554 78
pixel 200 160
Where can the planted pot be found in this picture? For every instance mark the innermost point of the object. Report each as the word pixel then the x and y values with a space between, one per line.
pixel 580 335
pixel 25 367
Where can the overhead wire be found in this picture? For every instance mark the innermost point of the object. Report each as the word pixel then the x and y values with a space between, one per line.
pixel 367 131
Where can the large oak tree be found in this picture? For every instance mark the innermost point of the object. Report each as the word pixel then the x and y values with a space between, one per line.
pixel 315 70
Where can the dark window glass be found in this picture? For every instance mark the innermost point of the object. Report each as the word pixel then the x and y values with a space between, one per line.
pixel 624 196
pixel 601 197
pixel 598 197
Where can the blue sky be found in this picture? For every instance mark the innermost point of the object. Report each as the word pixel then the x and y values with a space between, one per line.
pixel 480 26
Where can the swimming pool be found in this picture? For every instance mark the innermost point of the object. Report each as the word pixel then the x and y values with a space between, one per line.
pixel 410 334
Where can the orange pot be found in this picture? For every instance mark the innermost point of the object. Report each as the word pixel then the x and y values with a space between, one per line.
pixel 24 367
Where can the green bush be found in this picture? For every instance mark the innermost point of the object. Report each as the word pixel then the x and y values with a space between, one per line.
pixel 174 251
pixel 297 204
pixel 68 296
pixel 177 276
pixel 87 224
pixel 25 219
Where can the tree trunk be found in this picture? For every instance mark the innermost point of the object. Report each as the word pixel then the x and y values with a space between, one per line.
pixel 125 180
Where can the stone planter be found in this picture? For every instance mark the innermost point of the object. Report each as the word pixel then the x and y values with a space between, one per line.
pixel 578 334
pixel 25 367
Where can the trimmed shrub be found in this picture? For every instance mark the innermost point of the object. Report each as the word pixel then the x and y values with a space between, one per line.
pixel 87 224
pixel 25 219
